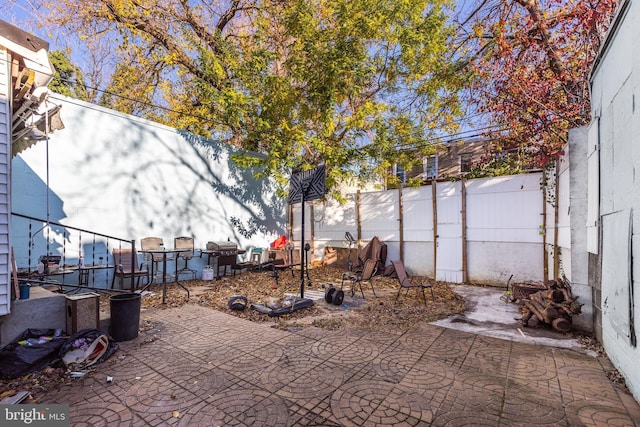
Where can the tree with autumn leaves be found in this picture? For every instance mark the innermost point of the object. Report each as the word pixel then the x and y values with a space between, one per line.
pixel 344 82
pixel 358 84
pixel 532 60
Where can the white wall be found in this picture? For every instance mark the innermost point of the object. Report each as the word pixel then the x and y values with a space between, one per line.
pixel 5 181
pixel 615 88
pixel 126 177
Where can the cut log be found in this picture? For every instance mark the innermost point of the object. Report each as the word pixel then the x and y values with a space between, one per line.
pixel 554 306
pixel 531 305
pixel 533 322
pixel 567 295
pixel 576 308
pixel 561 324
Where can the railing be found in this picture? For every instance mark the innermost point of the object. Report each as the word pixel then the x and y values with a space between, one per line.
pixel 34 239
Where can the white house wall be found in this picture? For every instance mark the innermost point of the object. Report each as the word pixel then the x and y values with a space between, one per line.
pixel 5 181
pixel 126 177
pixel 616 90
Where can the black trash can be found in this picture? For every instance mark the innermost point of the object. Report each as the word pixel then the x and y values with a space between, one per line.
pixel 125 316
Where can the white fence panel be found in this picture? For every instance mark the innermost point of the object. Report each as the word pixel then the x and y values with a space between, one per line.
pixel 504 209
pixel 503 229
pixel 379 217
pixel 503 220
pixel 449 232
pixel 418 230
pixel 417 214
pixel 331 220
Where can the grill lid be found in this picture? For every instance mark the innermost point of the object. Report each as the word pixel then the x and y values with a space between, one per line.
pixel 222 246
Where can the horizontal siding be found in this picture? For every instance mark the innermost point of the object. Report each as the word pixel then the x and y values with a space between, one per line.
pixel 5 208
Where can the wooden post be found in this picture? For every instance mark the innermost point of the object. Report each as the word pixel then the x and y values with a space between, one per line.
pixel 291 222
pixel 312 230
pixel 556 218
pixel 463 191
pixel 401 223
pixel 14 276
pixel 434 205
pixel 545 260
pixel 358 223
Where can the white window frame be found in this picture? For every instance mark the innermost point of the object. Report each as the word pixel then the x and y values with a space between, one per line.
pixel 426 169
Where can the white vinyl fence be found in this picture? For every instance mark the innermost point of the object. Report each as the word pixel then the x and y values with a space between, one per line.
pixel 484 231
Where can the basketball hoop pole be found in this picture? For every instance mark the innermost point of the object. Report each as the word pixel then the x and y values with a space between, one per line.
pixel 302 260
pixel 306 185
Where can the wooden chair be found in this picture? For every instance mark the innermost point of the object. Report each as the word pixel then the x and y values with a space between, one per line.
pixel 125 261
pixel 406 282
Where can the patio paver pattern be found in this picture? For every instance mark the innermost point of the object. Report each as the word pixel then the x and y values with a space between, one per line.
pixel 198 366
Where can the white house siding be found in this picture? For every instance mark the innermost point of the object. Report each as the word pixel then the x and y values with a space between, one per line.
pixel 5 173
pixel 126 177
pixel 616 94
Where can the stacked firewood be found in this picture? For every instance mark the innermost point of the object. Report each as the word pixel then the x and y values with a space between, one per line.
pixel 553 306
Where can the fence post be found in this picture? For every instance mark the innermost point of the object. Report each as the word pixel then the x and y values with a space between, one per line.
pixel 312 230
pixel 400 223
pixel 556 218
pixel 434 205
pixel 358 223
pixel 545 260
pixel 463 191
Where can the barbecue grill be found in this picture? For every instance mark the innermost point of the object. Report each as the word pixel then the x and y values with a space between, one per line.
pixel 51 263
pixel 225 253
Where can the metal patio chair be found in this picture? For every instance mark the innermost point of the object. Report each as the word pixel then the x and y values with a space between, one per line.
pixel 406 282
pixel 125 266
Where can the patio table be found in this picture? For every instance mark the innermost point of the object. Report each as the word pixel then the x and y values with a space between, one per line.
pixel 164 252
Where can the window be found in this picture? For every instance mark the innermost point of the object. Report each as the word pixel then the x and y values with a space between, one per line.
pixel 430 167
pixel 465 162
pixel 399 172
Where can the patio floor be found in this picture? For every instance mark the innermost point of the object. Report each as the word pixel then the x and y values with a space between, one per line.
pixel 197 366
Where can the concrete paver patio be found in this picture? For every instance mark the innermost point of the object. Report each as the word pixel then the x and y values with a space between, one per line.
pixel 198 366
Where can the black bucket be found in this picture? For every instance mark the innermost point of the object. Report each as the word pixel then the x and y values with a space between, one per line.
pixel 125 316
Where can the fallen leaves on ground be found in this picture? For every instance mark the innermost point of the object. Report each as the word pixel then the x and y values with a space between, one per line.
pixel 260 288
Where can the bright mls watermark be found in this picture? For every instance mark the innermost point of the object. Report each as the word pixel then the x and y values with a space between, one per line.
pixel 34 415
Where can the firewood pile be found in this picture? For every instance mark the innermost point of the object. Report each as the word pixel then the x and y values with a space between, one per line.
pixel 552 306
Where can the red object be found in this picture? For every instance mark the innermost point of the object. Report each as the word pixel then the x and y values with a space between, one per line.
pixel 279 243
